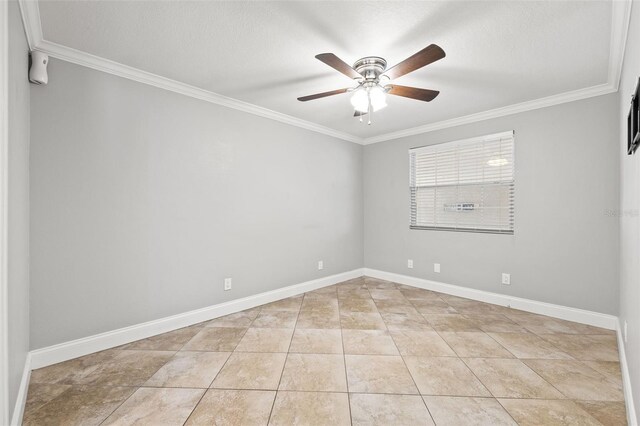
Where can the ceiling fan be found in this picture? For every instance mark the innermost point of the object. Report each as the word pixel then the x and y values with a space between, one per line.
pixel 373 79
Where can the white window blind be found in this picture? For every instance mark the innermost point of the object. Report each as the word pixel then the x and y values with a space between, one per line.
pixel 465 185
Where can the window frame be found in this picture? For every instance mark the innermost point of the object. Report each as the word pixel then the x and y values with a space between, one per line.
pixel 412 204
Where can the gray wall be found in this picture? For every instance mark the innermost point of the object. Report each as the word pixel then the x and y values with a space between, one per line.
pixel 143 200
pixel 630 210
pixel 565 246
pixel 18 254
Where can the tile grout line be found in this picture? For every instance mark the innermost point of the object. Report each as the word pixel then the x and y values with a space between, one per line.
pixel 471 370
pixel 50 401
pixel 501 345
pixel 344 358
pixel 465 364
pixel 606 376
pixel 374 393
pixel 286 359
pixel 536 373
pixel 551 384
pixel 207 389
pixel 119 405
pixel 478 378
pixel 196 404
pixel 545 399
pixel 505 409
pixel 221 368
pixel 407 367
pixel 544 380
pixel 138 387
pixel 333 391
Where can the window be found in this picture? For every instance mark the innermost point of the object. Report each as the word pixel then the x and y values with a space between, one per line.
pixel 465 185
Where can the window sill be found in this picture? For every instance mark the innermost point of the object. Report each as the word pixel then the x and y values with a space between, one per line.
pixel 478 231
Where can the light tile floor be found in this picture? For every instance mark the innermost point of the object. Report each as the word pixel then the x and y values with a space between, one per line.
pixel 363 352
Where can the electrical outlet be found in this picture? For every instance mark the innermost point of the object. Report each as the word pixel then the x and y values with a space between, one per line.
pixel 624 332
pixel 320 265
pixel 506 279
pixel 436 267
pixel 227 284
pixel 410 263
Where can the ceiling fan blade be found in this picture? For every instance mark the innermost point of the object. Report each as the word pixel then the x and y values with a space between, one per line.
pixel 358 113
pixel 426 56
pixel 338 64
pixel 425 95
pixel 322 95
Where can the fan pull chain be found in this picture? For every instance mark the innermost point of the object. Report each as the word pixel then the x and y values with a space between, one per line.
pixel 370 112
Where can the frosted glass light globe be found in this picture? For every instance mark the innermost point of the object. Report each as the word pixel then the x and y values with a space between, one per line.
pixel 378 98
pixel 360 100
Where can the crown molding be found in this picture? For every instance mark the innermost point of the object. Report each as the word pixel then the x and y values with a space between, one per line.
pixel 561 98
pixel 620 17
pixel 33 27
pixel 31 20
pixel 105 65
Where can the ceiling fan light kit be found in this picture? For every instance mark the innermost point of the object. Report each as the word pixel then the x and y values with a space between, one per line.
pixel 373 79
pixel 366 97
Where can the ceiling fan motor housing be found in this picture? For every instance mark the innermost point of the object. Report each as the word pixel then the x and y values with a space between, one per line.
pixel 370 67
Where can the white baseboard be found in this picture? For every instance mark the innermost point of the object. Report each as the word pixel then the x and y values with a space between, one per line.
pixel 557 311
pixel 626 379
pixel 54 354
pixel 21 399
pixel 80 347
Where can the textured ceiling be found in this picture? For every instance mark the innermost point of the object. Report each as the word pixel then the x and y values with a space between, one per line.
pixel 498 52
